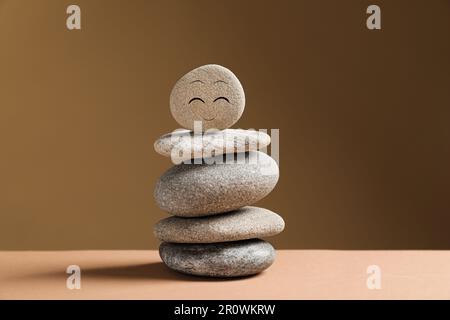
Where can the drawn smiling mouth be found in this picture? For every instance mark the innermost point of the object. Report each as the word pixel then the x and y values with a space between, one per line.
pixel 208 119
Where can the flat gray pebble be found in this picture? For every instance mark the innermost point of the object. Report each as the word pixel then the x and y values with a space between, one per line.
pixel 182 145
pixel 227 259
pixel 241 224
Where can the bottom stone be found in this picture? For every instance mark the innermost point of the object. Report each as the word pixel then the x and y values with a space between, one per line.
pixel 224 259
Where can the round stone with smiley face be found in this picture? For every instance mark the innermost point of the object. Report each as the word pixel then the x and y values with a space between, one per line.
pixel 211 94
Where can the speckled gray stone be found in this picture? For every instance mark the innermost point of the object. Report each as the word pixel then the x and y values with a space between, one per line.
pixel 210 94
pixel 181 145
pixel 241 224
pixel 225 259
pixel 192 190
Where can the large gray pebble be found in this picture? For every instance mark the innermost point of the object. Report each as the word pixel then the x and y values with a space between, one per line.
pixel 226 259
pixel 191 190
pixel 241 224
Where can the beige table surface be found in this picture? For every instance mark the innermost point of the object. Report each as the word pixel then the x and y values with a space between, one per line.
pixel 296 274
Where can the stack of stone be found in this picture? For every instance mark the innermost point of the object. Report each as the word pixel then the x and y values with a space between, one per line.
pixel 214 231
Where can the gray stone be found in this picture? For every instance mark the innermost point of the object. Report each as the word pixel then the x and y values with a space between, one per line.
pixel 181 145
pixel 241 224
pixel 192 190
pixel 225 259
pixel 211 95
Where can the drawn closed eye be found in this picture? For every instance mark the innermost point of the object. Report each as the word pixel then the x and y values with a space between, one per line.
pixel 223 98
pixel 196 98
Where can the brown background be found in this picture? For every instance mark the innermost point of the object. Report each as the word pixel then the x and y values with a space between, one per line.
pixel 363 116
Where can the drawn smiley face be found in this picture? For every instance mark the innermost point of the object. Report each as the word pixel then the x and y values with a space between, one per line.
pixel 211 94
